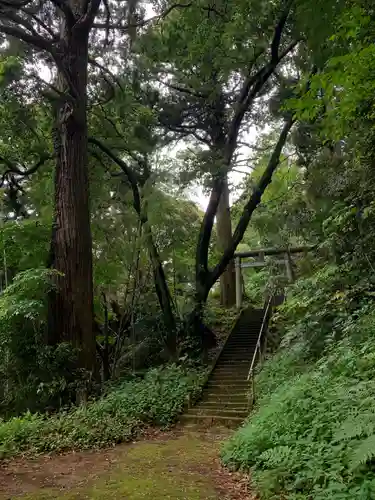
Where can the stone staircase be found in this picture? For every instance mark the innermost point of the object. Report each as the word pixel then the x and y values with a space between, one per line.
pixel 225 395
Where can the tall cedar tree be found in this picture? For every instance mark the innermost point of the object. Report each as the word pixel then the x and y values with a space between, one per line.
pixel 62 31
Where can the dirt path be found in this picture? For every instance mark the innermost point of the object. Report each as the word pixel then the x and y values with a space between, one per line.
pixel 178 465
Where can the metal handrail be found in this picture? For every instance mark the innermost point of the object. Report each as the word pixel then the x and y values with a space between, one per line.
pixel 258 344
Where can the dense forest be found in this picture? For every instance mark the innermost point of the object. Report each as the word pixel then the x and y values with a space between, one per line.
pixel 143 144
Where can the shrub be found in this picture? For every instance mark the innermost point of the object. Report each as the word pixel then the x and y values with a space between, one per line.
pixel 117 416
pixel 312 435
pixel 32 375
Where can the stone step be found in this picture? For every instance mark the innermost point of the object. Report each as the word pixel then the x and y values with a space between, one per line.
pixel 241 383
pixel 232 375
pixel 218 413
pixel 223 394
pixel 243 338
pixel 216 410
pixel 223 405
pixel 245 334
pixel 240 355
pixel 236 349
pixel 244 348
pixel 231 381
pixel 225 370
pixel 224 397
pixel 237 358
pixel 250 321
pixel 239 386
pixel 229 388
pixel 253 327
pixel 247 353
pixel 236 362
pixel 226 364
pixel 223 366
pixel 241 341
pixel 251 331
pixel 212 419
pixel 253 336
pixel 248 345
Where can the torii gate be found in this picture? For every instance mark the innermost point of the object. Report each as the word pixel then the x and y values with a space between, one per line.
pixel 260 253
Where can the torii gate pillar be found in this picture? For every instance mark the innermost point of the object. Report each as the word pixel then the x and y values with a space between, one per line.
pixel 238 283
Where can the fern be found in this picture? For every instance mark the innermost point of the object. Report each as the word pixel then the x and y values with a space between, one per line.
pixel 364 452
pixel 313 432
pixel 275 457
pixel 355 427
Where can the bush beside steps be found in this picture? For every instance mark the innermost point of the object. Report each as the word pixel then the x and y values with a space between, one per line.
pixel 118 416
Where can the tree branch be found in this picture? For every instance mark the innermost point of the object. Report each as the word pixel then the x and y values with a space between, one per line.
pixel 254 84
pixel 183 90
pixel 12 16
pixel 95 63
pixel 158 17
pixel 41 24
pixel 87 19
pixel 66 10
pixel 129 173
pixel 13 169
pixel 36 41
pixel 279 28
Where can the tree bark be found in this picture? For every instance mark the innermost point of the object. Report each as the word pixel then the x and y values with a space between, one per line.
pixel 71 304
pixel 224 235
pixel 162 292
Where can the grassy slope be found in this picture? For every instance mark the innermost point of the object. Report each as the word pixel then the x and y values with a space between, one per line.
pixel 312 435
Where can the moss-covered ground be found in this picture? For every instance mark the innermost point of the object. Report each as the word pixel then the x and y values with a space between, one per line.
pixel 182 464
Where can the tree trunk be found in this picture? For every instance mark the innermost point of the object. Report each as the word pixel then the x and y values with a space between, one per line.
pixel 161 285
pixel 162 292
pixel 206 278
pixel 71 304
pixel 224 236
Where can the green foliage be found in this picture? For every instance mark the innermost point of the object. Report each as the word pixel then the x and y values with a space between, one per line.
pixel 312 434
pixel 33 375
pixel 218 318
pixel 25 296
pixel 116 417
pixel 25 244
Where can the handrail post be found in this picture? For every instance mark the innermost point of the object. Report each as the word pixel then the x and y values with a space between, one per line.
pixel 238 283
pixel 252 389
pixel 257 351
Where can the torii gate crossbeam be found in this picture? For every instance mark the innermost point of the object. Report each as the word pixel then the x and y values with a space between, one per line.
pixel 261 253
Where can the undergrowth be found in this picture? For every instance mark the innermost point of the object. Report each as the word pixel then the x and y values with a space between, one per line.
pixel 312 435
pixel 116 417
